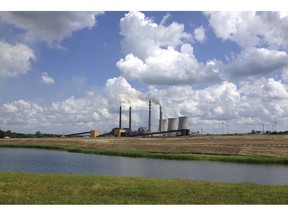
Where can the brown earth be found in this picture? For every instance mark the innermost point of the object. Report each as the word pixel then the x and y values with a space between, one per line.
pixel 249 145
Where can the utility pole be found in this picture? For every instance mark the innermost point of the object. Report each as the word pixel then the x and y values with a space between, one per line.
pixel 275 125
pixel 222 127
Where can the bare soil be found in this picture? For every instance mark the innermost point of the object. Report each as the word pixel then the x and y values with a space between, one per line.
pixel 248 145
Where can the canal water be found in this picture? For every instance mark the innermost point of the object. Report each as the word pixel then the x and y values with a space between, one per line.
pixel 51 161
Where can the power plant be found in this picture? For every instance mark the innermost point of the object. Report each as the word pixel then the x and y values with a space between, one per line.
pixel 167 127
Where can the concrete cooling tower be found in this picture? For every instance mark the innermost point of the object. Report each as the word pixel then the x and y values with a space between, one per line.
pixel 183 123
pixel 172 124
pixel 164 124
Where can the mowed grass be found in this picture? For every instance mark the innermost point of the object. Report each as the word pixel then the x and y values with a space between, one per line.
pixel 28 188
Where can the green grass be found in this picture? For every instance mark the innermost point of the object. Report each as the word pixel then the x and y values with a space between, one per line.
pixel 27 188
pixel 168 156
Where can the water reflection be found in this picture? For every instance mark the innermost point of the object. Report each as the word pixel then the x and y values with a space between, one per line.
pixel 49 161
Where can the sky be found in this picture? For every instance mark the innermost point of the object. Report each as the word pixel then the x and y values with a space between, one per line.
pixel 69 71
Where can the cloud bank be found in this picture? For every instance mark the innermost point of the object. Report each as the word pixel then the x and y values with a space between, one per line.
pixel 157 60
pixel 251 28
pixel 258 102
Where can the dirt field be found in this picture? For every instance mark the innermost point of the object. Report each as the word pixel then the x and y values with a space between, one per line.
pixel 249 145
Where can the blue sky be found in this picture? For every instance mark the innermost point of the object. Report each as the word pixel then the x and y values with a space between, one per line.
pixel 65 72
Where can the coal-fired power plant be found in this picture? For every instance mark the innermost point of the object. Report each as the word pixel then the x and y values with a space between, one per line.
pixel 166 127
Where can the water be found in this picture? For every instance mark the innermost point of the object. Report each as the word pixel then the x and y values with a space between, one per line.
pixel 51 161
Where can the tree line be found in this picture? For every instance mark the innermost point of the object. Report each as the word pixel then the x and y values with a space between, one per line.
pixel 10 134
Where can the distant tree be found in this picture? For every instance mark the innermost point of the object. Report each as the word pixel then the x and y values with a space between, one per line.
pixel 2 134
pixel 38 134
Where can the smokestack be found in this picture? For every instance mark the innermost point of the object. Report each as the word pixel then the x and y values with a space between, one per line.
pixel 120 118
pixel 160 119
pixel 130 128
pixel 149 117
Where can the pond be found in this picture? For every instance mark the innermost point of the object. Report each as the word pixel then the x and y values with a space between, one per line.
pixel 51 161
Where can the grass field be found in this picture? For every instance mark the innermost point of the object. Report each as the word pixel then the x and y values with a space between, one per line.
pixel 246 145
pixel 25 188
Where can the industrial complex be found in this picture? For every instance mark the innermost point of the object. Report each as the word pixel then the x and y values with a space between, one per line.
pixel 167 127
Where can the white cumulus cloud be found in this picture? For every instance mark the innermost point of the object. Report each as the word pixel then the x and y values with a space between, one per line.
pixel 257 62
pixel 199 34
pixel 49 26
pixel 158 54
pixel 154 57
pixel 170 67
pixel 15 60
pixel 46 78
pixel 265 99
pixel 142 36
pixel 248 28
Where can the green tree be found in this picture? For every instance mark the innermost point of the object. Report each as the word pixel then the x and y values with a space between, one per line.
pixel 38 134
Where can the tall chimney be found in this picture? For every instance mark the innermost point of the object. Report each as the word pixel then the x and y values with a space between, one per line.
pixel 160 120
pixel 149 117
pixel 120 118
pixel 130 128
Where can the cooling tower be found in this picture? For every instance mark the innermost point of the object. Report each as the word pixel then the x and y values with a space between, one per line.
pixel 172 124
pixel 183 123
pixel 164 124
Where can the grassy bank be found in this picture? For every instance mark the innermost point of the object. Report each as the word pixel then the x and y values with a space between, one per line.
pixel 26 188
pixel 169 156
